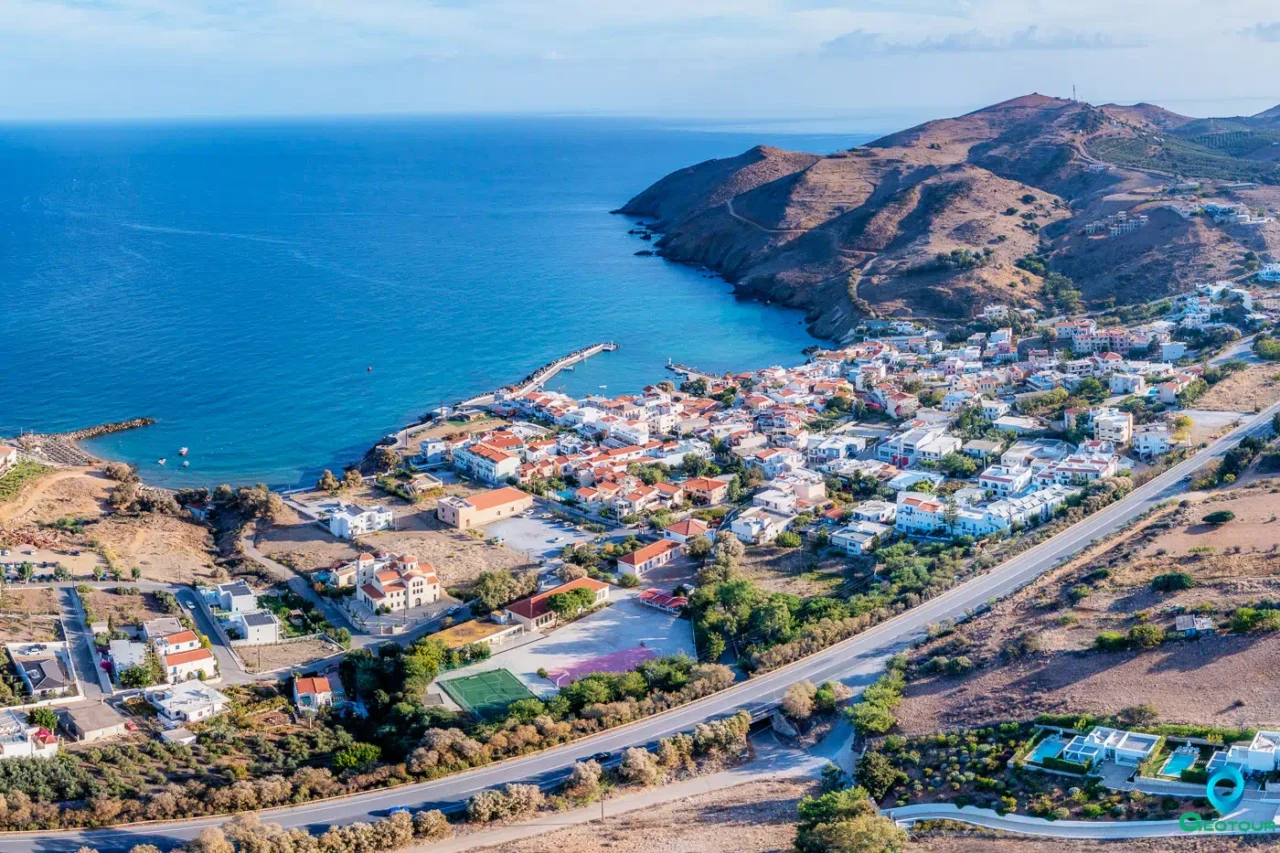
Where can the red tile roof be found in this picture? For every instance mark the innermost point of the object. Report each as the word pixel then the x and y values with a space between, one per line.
pixel 648 552
pixel 537 605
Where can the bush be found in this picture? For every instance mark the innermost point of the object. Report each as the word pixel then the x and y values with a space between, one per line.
pixel 1172 582
pixel 1111 641
pixel 1222 516
pixel 1146 636
pixel 788 539
pixel 627 581
pixel 1195 775
pixel 1065 766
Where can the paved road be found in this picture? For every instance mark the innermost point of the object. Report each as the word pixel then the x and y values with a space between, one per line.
pixel 79 640
pixel 854 660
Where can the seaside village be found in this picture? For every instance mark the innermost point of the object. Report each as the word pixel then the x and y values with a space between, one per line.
pixel 908 435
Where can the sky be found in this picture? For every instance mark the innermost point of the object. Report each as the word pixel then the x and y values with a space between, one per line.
pixel 880 62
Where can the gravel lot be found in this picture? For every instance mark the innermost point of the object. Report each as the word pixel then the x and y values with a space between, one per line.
pixel 624 624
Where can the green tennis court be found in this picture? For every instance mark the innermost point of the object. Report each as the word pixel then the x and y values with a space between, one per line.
pixel 486 694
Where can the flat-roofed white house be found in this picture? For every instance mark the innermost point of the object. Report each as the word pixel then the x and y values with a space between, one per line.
pixel 236 597
pixel 351 520
pixel 881 512
pixel 1004 481
pixel 1107 744
pixel 860 537
pixel 20 739
pixel 1261 755
pixel 758 525
pixel 188 702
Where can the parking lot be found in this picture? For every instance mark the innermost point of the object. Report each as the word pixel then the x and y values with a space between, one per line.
pixel 80 565
pixel 625 624
pixel 539 538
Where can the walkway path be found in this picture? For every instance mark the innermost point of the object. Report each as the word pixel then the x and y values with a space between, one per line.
pixel 1027 825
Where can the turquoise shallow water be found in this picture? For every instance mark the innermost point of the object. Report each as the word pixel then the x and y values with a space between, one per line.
pixel 234 281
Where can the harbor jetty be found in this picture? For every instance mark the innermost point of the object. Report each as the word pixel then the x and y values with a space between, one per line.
pixel 686 372
pixel 63 448
pixel 537 379
pixel 532 382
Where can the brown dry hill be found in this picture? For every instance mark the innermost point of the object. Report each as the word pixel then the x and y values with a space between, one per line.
pixel 860 232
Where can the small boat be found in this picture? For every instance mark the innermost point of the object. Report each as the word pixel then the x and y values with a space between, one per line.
pixel 604 386
pixel 186 464
pixel 568 367
pixel 161 461
pixel 369 369
pixel 182 451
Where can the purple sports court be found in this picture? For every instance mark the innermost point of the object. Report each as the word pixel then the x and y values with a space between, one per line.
pixel 621 661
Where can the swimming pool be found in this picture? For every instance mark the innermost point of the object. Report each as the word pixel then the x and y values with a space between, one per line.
pixel 1050 747
pixel 1180 760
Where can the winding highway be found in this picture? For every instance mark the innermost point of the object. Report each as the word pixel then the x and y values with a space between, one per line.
pixel 855 661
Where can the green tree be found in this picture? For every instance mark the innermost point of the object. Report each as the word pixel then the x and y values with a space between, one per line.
pixel 568 604
pixel 878 774
pixel 356 756
pixel 45 718
pixel 697 547
pixel 958 465
pixel 136 676
pixel 788 539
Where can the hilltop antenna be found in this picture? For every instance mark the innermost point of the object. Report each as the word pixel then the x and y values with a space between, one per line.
pixel 1073 91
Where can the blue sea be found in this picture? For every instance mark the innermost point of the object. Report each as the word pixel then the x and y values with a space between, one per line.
pixel 235 281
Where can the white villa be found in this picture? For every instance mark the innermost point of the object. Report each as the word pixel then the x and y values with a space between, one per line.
pixel 1261 755
pixel 351 520
pixel 1103 744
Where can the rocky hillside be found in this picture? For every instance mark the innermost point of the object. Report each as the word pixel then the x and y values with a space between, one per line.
pixel 930 221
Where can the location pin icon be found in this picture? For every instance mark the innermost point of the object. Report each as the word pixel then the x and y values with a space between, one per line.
pixel 1225 803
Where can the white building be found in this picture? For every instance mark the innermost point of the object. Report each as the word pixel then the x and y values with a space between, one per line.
pixel 350 520
pixel 236 597
pixel 758 526
pixel 776 500
pixel 1127 383
pixel 258 627
pixel 1112 425
pixel 1003 481
pixel 1259 756
pixel 1151 440
pixel 20 739
pixel 188 702
pixel 881 512
pixel 859 537
pixel 1103 744
pixel 992 409
pixel 485 463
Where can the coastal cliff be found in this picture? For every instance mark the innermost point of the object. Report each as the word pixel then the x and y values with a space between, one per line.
pixel 938 220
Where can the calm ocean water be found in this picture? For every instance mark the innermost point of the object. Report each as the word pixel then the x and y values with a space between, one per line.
pixel 234 281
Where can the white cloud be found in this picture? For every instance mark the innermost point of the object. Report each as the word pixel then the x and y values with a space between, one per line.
pixel 752 56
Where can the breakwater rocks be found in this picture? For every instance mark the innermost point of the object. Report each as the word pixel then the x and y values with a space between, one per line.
pixel 61 448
